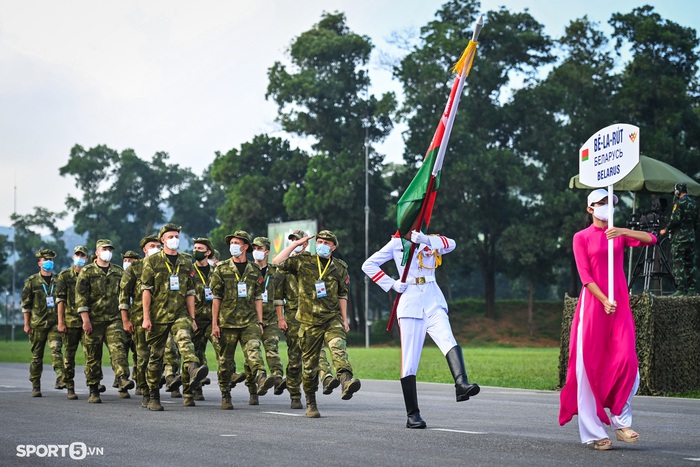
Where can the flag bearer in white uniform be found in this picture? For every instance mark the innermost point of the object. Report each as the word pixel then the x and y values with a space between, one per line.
pixel 422 309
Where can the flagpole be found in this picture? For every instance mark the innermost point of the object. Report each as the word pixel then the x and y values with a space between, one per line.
pixel 463 66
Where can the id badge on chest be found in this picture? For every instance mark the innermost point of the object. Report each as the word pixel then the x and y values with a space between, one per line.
pixel 208 296
pixel 320 289
pixel 174 283
pixel 49 302
pixel 264 297
pixel 242 289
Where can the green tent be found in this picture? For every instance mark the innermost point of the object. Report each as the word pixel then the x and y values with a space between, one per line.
pixel 649 176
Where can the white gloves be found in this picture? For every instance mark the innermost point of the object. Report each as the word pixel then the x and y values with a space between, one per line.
pixel 420 237
pixel 399 286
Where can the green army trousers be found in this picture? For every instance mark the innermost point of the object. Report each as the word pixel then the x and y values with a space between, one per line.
pixel 112 334
pixel 38 339
pixel 312 337
pixel 157 339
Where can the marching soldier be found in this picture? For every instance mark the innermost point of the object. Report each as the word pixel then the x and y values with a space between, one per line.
pixel 131 306
pixel 682 225
pixel 69 322
pixel 271 331
pixel 97 298
pixel 128 259
pixel 41 320
pixel 237 316
pixel 168 307
pixel 323 296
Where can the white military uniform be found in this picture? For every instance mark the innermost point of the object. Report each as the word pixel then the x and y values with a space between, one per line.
pixel 422 308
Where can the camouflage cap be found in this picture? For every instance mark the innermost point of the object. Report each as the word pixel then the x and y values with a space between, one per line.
pixel 148 239
pixel 104 242
pixel 296 235
pixel 45 253
pixel 327 235
pixel 80 249
pixel 204 241
pixel 262 241
pixel 169 227
pixel 131 254
pixel 242 234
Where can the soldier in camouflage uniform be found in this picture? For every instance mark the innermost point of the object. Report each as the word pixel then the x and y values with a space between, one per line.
pixel 323 296
pixel 131 306
pixel 69 322
pixel 271 331
pixel 681 225
pixel 127 259
pixel 41 321
pixel 168 307
pixel 203 249
pixel 97 299
pixel 286 304
pixel 237 316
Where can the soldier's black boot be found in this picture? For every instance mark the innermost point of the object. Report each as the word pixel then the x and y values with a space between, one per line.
pixel 94 397
pixel 463 388
pixel 154 402
pixel 197 374
pixel 311 409
pixel 350 385
pixel 71 393
pixel 410 398
pixel 265 382
pixel 330 383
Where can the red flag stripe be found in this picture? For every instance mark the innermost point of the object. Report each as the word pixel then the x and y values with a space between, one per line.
pixel 377 277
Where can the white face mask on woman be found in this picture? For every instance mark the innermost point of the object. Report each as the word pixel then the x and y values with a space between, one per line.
pixel 601 212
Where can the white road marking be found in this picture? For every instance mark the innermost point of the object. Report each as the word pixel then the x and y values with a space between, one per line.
pixel 696 459
pixel 460 431
pixel 287 414
pixel 231 436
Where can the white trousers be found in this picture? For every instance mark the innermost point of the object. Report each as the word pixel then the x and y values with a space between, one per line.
pixel 413 330
pixel 590 427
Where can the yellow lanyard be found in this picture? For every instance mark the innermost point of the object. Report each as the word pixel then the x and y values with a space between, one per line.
pixel 318 262
pixel 438 260
pixel 235 270
pixel 201 276
pixel 170 270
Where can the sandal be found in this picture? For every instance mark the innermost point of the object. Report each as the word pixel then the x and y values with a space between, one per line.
pixel 627 435
pixel 602 444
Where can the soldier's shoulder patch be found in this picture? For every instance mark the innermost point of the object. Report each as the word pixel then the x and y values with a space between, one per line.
pixel 192 273
pixel 347 280
pixel 260 280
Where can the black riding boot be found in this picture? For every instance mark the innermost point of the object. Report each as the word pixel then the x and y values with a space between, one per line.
pixel 464 389
pixel 410 398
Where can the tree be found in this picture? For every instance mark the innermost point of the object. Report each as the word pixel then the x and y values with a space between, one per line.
pixel 33 232
pixel 482 183
pixel 253 182
pixel 658 88
pixel 195 201
pixel 122 195
pixel 324 96
pixel 5 269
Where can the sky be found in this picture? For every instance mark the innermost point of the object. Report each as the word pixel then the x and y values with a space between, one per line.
pixel 187 78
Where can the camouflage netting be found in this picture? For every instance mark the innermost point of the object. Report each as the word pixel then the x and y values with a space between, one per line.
pixel 668 342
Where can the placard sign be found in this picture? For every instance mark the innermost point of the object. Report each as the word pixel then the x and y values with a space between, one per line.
pixel 609 155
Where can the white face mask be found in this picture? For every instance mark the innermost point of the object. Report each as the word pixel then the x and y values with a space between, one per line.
pixel 211 262
pixel 299 249
pixel 601 212
pixel 106 256
pixel 235 250
pixel 153 251
pixel 173 243
pixel 126 264
pixel 258 255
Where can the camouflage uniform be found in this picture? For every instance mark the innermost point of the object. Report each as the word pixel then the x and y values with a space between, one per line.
pixel 286 295
pixel 65 293
pixel 320 319
pixel 238 321
pixel 271 331
pixel 131 300
pixel 202 314
pixel 682 225
pixel 97 293
pixel 168 314
pixel 44 326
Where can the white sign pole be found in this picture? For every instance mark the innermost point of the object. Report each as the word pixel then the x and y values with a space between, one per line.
pixel 611 253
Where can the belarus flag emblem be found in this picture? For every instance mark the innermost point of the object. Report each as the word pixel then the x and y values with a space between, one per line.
pixel 584 155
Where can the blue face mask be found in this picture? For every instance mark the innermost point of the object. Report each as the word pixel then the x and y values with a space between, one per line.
pixel 323 250
pixel 47 265
pixel 79 261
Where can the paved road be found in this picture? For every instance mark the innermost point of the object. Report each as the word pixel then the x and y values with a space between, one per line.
pixel 498 427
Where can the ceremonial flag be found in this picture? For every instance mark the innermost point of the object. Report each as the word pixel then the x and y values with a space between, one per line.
pixel 415 207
